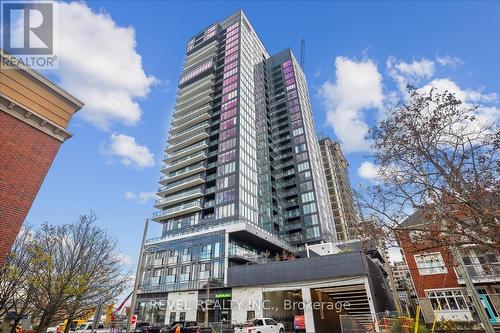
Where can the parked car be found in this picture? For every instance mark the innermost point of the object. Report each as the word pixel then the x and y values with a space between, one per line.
pixel 184 326
pixel 299 323
pixel 260 325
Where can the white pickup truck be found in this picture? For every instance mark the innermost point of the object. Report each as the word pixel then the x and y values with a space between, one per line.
pixel 260 325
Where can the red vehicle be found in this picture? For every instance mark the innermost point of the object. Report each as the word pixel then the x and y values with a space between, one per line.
pixel 299 323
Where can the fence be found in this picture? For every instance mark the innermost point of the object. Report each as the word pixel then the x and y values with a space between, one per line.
pixel 383 322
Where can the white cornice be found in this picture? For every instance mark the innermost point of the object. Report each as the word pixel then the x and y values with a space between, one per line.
pixel 33 119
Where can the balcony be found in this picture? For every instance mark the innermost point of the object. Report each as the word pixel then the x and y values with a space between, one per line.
pixel 184 172
pixel 190 131
pixel 186 208
pixel 189 123
pixel 195 102
pixel 188 141
pixel 480 273
pixel 180 184
pixel 238 253
pixel 180 121
pixel 179 197
pixel 195 88
pixel 185 161
pixel 186 151
pixel 205 52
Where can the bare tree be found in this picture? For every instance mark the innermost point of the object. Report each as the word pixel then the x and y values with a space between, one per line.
pixel 437 156
pixel 78 266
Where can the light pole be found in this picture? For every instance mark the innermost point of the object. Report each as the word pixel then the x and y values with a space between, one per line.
pixel 137 278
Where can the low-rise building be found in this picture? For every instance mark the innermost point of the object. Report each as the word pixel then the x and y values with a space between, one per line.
pixel 439 282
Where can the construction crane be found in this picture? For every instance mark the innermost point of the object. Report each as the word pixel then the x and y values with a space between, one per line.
pixel 302 53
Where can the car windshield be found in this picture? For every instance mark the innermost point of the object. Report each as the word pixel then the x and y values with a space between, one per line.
pixel 81 327
pixel 258 322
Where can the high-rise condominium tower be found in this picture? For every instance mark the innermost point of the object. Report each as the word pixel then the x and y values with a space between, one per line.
pixel 339 188
pixel 242 173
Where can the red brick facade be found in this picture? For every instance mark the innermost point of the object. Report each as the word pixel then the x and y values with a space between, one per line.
pixel 434 281
pixel 26 154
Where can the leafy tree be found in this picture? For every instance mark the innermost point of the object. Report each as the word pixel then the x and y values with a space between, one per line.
pixel 61 272
pixel 435 154
pixel 14 290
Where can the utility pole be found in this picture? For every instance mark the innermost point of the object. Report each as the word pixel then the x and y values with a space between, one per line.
pixel 478 304
pixel 137 277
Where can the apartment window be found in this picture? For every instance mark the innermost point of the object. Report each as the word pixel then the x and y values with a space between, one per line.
pixel 293 102
pixel 296 124
pixel 300 148
pixel 307 186
pixel 307 197
pixel 226 196
pixel 224 211
pixel 309 208
pixel 228 124
pixel 227 144
pixel 430 263
pixel 312 232
pixel 311 220
pixel 226 168
pixel 303 166
pixel 228 114
pixel 447 300
pixel 226 182
pixel 228 134
pixel 299 139
pixel 304 176
pixel 206 252
pixel 227 156
pixel 298 131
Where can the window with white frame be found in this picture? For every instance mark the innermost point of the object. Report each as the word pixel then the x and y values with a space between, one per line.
pixel 430 263
pixel 447 300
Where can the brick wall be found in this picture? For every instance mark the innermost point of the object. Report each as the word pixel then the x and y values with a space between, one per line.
pixel 434 281
pixel 26 154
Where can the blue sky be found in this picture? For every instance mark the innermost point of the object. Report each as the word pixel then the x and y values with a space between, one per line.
pixel 358 56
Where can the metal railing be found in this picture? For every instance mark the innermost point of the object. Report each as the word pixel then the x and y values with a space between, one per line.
pixel 478 271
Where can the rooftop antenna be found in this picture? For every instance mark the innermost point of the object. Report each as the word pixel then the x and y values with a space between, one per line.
pixel 302 53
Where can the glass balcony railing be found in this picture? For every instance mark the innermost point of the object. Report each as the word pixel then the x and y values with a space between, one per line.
pixel 176 197
pixel 179 208
pixel 180 134
pixel 180 182
pixel 185 170
pixel 182 151
pixel 200 154
pixel 241 252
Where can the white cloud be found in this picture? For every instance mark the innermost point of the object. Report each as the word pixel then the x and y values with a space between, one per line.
pixel 369 171
pixel 99 64
pixel 130 153
pixel 358 87
pixel 466 95
pixel 447 60
pixel 140 197
pixel 485 112
pixel 404 73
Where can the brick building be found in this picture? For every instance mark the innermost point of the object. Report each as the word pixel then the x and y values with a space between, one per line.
pixel 34 115
pixel 439 283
